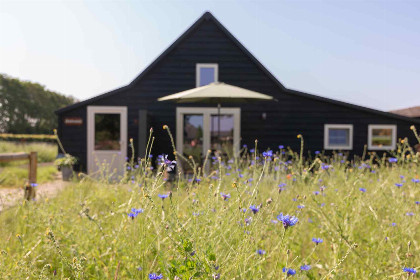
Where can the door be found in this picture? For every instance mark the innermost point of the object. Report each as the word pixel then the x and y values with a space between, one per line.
pixel 198 131
pixel 106 139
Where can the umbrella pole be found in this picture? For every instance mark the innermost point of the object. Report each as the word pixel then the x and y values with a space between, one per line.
pixel 218 125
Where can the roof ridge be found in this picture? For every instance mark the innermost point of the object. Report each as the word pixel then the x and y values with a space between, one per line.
pixel 209 16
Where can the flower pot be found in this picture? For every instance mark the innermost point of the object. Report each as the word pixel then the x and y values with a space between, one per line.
pixel 66 172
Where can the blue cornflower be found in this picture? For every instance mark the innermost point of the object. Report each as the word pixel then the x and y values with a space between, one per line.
pixel 134 213
pixel 305 267
pixel 317 240
pixel 325 166
pixel 409 270
pixel 245 146
pixel 391 160
pixel 225 196
pixel 260 252
pixel 394 224
pixel 252 151
pixel 316 192
pixel 289 271
pixel 415 180
pixel 163 196
pixel 362 189
pixel 137 211
pixel 287 220
pixel 417 202
pixel 282 185
pixel 410 214
pixel 281 147
pixel 399 184
pixel 34 185
pixel 154 276
pixel 317 152
pixel 254 209
pixel 269 153
pixel 301 206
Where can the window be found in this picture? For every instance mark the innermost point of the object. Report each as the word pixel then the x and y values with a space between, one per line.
pixel 197 130
pixel 338 137
pixel 107 132
pixel 206 73
pixel 382 137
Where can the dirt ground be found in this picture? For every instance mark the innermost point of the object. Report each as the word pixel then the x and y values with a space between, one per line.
pixel 11 196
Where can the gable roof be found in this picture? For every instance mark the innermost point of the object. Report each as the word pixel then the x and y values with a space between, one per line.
pixel 412 112
pixel 207 16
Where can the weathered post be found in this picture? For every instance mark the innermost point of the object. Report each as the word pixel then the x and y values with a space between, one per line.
pixel 30 188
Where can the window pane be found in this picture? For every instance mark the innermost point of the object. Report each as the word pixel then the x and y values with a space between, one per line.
pixel 339 137
pixel 224 140
pixel 107 132
pixel 382 137
pixel 206 75
pixel 193 136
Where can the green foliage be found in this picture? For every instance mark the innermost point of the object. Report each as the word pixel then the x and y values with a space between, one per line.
pixel 85 232
pixel 28 107
pixel 66 160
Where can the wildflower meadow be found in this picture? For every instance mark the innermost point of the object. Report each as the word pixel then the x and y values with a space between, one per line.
pixel 275 214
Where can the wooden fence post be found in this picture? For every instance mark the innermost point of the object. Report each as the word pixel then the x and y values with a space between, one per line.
pixel 30 189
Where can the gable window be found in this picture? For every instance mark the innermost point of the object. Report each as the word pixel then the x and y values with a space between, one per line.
pixel 382 137
pixel 206 73
pixel 338 136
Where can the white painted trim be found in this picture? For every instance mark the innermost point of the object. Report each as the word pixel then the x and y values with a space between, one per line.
pixel 91 111
pixel 206 65
pixel 327 127
pixel 207 112
pixel 371 127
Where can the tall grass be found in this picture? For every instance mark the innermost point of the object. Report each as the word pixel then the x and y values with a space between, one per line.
pixel 225 225
pixel 47 152
pixel 14 176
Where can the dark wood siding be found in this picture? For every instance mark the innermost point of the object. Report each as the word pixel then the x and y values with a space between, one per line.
pixel 290 116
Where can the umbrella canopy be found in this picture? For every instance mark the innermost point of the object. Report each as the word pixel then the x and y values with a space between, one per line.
pixel 216 93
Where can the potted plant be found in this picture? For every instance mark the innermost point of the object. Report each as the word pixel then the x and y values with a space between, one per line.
pixel 65 164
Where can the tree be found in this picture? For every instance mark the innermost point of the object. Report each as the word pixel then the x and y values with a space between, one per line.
pixel 27 107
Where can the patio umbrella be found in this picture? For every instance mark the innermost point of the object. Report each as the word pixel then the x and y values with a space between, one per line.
pixel 217 92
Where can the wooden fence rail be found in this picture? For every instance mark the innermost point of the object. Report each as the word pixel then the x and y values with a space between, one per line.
pixel 32 157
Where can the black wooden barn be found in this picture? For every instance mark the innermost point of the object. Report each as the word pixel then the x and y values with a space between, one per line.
pixel 100 128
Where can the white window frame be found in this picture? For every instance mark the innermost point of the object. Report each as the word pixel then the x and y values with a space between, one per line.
pixel 206 65
pixel 327 128
pixel 207 112
pixel 371 127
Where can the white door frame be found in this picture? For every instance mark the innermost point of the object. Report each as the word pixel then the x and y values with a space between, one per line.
pixel 91 111
pixel 207 112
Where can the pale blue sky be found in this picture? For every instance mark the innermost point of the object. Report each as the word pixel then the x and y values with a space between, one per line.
pixel 363 52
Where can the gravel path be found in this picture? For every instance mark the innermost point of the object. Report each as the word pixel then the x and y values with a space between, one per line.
pixel 11 196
